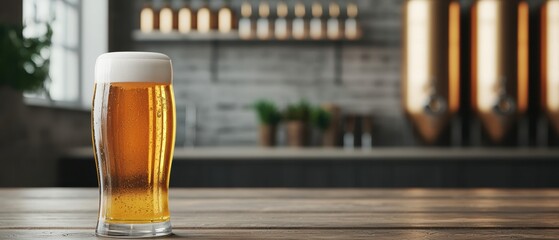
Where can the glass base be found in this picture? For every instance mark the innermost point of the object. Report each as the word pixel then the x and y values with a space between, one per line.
pixel 123 230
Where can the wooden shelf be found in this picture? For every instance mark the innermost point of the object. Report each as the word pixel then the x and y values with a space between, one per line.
pixel 138 35
pixel 216 38
pixel 177 36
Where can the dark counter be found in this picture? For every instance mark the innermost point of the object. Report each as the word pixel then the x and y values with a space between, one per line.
pixel 387 167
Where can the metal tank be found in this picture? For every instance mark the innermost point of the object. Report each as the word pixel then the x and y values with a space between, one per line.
pixel 550 61
pixel 499 63
pixel 431 64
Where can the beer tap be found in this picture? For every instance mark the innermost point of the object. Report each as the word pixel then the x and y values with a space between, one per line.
pixel 435 104
pixel 504 105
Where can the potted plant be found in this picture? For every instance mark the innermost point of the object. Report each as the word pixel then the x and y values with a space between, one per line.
pixel 320 119
pixel 269 117
pixel 24 66
pixel 331 134
pixel 297 117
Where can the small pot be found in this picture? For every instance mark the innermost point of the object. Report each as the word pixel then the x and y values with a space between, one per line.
pixel 331 135
pixel 297 134
pixel 268 135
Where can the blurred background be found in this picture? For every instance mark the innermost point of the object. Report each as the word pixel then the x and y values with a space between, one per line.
pixel 296 93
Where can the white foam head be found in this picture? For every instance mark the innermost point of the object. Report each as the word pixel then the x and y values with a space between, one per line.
pixel 133 67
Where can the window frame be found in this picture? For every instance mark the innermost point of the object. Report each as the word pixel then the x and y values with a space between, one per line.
pixel 93 16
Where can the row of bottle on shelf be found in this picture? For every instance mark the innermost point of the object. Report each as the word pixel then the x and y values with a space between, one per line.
pixel 299 26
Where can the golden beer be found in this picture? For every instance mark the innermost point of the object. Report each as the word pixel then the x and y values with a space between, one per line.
pixel 133 125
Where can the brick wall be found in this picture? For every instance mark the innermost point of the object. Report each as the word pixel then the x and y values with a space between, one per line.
pixel 223 78
pixel 361 77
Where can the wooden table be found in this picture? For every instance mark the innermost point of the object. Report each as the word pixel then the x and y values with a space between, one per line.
pixel 55 213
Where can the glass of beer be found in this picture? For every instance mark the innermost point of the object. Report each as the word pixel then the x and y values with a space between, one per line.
pixel 133 128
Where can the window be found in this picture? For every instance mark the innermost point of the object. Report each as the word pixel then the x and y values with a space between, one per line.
pixel 75 23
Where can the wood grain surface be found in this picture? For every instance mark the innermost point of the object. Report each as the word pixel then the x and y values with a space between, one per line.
pixel 71 213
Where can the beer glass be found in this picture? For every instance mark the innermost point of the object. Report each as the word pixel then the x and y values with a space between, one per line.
pixel 133 127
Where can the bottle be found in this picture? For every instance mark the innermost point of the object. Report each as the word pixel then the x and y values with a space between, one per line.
pixel 166 18
pixel 147 18
pixel 333 27
pixel 280 28
pixel 225 18
pixel 349 129
pixel 366 132
pixel 316 30
pixel 205 19
pixel 299 29
pixel 352 30
pixel 185 19
pixel 245 23
pixel 262 24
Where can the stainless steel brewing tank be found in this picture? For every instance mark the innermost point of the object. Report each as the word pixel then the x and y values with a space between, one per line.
pixel 431 64
pixel 499 63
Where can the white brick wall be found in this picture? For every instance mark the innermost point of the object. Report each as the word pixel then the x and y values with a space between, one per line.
pixel 288 72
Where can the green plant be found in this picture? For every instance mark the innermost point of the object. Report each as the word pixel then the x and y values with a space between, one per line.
pixel 320 118
pixel 24 62
pixel 267 112
pixel 297 112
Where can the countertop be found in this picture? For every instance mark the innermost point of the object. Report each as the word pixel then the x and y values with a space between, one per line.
pixel 71 213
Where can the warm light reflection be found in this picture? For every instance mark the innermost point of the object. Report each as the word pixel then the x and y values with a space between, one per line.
pixel 454 57
pixel 166 20
pixel 487 36
pixel 417 52
pixel 523 18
